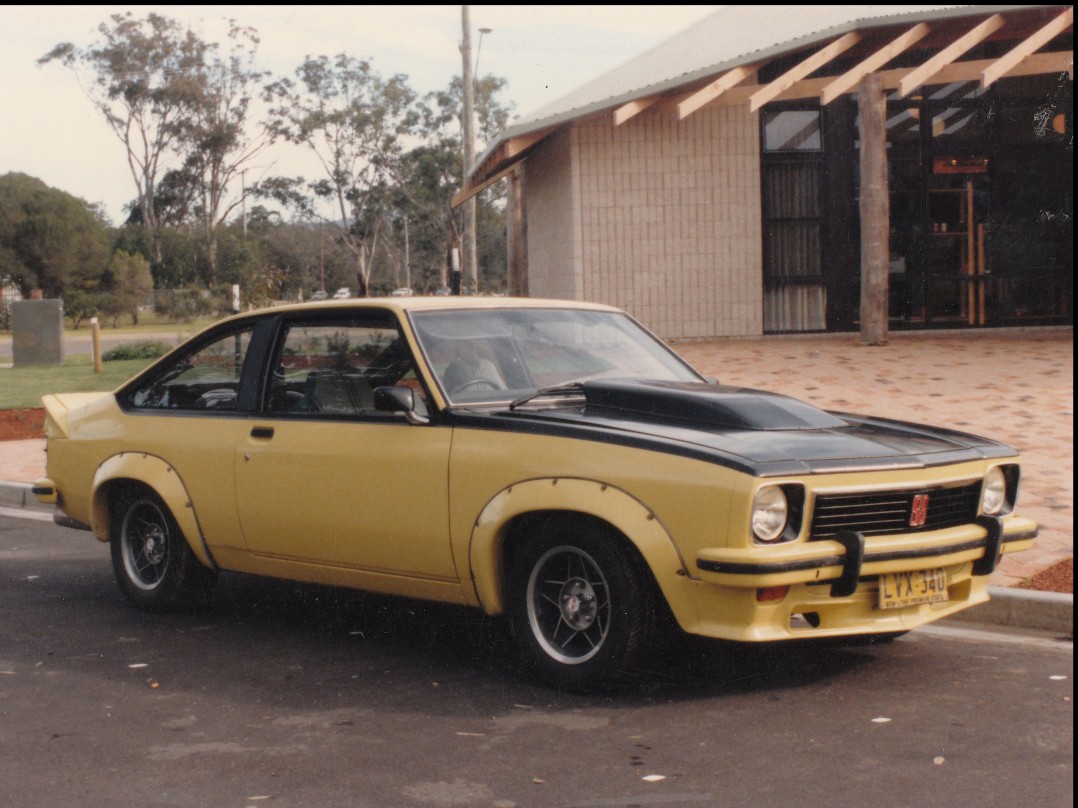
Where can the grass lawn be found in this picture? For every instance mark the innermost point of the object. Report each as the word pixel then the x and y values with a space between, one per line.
pixel 24 387
pixel 149 323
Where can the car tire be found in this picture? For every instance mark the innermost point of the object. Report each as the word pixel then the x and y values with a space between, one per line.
pixel 153 564
pixel 582 605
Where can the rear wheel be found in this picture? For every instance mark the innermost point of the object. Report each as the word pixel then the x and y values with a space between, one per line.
pixel 152 562
pixel 582 605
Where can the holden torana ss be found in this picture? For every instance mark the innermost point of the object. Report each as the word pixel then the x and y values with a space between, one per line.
pixel 546 460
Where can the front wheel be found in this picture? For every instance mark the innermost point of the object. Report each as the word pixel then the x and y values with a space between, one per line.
pixel 150 558
pixel 582 605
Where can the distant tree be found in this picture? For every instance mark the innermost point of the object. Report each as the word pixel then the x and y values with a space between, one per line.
pixel 429 175
pixel 355 123
pixel 81 304
pixel 181 263
pixel 306 257
pixel 174 199
pixel 145 85
pixel 49 240
pixel 128 284
pixel 215 138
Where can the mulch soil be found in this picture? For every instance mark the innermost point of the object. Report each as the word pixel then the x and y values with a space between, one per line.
pixel 22 424
pixel 1057 578
pixel 29 423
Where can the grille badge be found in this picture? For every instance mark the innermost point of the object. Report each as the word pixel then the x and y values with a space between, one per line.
pixel 919 510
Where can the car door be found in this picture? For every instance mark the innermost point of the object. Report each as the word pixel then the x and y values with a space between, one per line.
pixel 190 410
pixel 321 476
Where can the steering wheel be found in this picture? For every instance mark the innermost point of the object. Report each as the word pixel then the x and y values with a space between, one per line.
pixel 484 384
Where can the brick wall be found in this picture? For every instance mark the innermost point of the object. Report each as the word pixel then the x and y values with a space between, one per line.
pixel 662 218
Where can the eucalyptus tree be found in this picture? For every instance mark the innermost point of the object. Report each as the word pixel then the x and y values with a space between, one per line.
pixel 180 106
pixel 141 75
pixel 357 125
pixel 216 139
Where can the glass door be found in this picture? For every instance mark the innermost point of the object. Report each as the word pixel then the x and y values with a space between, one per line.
pixel 954 269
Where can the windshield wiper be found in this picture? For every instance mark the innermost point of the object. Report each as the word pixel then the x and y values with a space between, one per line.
pixel 568 389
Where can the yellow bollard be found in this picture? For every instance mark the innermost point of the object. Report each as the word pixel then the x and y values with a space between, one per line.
pixel 95 329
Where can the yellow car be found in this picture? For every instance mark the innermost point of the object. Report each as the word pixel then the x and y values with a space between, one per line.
pixel 548 460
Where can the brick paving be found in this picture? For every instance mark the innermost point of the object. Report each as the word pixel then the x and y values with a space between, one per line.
pixel 1015 386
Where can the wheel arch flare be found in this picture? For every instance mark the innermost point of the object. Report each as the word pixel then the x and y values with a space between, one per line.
pixel 494 529
pixel 138 468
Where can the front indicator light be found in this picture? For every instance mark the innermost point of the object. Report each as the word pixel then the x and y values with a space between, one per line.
pixel 769 514
pixel 771 594
pixel 994 492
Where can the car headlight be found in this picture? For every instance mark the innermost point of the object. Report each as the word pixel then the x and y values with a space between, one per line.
pixel 770 513
pixel 994 492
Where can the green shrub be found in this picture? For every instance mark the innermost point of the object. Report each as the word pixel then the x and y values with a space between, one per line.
pixel 147 349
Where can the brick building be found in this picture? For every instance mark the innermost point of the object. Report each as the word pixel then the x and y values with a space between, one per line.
pixel 713 185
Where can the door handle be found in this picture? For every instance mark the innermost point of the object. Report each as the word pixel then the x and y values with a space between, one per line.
pixel 262 432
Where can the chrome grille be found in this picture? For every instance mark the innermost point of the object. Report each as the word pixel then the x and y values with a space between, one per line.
pixel 889 511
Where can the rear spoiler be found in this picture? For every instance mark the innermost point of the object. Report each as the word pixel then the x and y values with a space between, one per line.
pixel 58 405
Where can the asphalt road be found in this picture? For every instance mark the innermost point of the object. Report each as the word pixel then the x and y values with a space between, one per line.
pixel 82 343
pixel 276 694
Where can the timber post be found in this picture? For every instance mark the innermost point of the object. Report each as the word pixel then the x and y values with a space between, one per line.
pixel 875 211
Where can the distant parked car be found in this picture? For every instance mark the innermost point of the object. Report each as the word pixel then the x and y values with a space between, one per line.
pixel 320 295
pixel 342 294
pixel 402 292
pixel 548 460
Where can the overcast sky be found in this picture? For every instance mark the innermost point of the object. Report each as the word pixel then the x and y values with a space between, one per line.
pixel 49 129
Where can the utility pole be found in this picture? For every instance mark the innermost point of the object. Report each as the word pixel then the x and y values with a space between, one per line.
pixel 407 269
pixel 470 283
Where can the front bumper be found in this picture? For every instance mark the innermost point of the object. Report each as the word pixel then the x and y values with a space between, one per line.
pixel 844 562
pixel 45 490
pixel 833 586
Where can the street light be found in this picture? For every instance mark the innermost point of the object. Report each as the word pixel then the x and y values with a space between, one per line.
pixel 479 49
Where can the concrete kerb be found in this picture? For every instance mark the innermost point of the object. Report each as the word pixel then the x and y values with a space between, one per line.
pixel 1009 608
pixel 19 495
pixel 1023 609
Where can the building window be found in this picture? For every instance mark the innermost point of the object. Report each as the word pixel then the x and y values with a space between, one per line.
pixel 792 130
pixel 794 295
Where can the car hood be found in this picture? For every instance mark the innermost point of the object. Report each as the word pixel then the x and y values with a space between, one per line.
pixel 759 432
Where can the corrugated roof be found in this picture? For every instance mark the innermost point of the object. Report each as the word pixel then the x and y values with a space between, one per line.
pixel 732 36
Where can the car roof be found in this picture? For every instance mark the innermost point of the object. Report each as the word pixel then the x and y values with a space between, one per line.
pixel 408 304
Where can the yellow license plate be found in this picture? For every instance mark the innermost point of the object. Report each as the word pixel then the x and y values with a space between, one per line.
pixel 899 589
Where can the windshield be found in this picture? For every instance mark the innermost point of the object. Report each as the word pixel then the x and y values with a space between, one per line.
pixel 489 356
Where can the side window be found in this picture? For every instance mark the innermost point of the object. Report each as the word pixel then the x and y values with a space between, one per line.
pixel 204 378
pixel 331 367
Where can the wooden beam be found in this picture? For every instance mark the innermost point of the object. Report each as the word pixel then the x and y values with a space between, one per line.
pixel 1036 65
pixel 1027 47
pixel 468 191
pixel 516 145
pixel 873 63
pixel 689 105
pixel 800 71
pixel 949 54
pixel 633 108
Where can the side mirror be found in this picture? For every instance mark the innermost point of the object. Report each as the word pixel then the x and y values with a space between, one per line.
pixel 398 399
